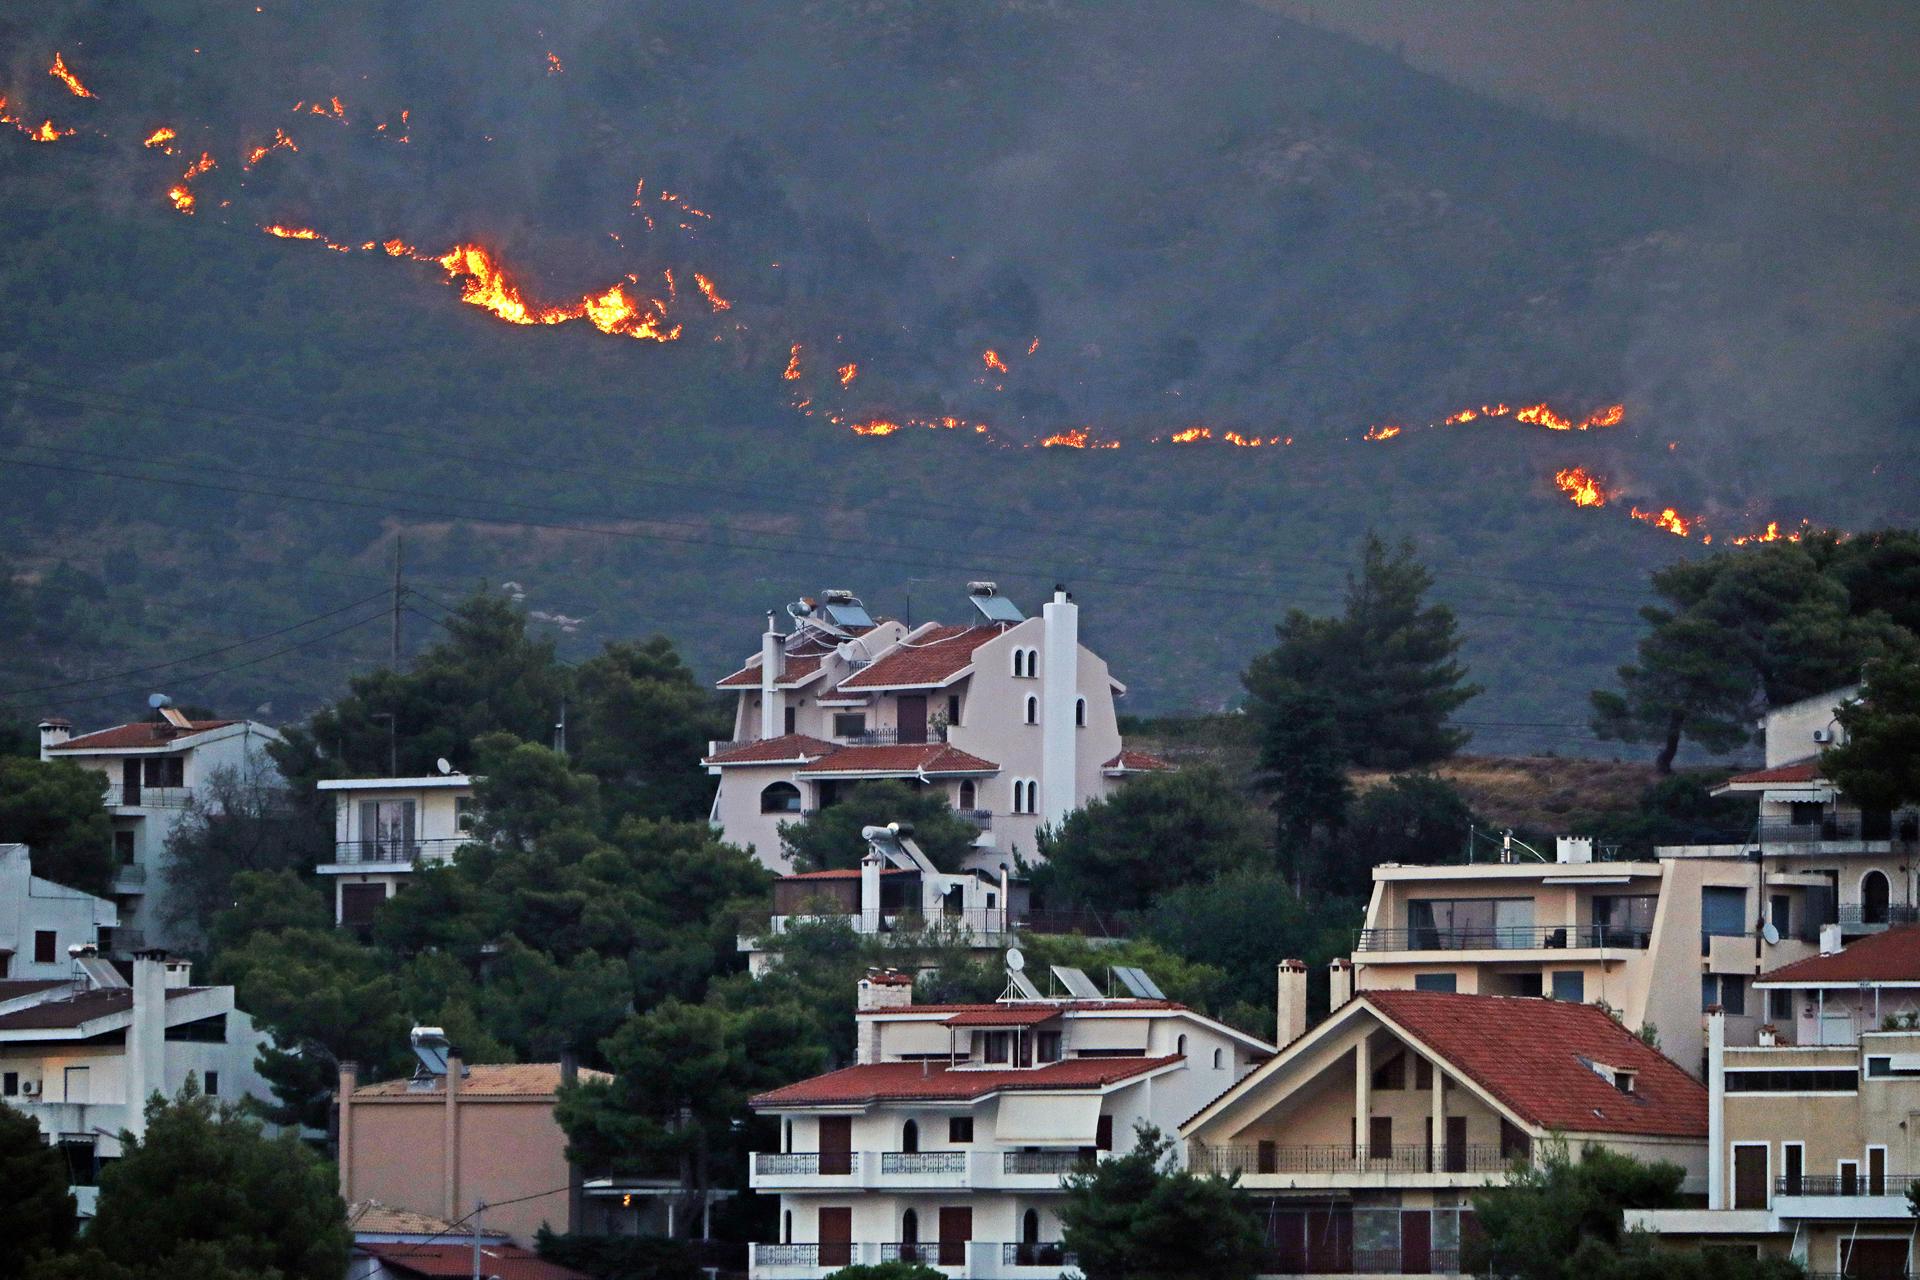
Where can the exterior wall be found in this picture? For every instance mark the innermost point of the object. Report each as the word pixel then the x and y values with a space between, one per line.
pixel 436 832
pixel 1790 729
pixel 30 905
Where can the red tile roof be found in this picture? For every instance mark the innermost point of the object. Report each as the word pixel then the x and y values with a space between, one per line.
pixel 932 658
pixel 1893 956
pixel 1805 771
pixel 507 1261
pixel 1132 761
pixel 911 1081
pixel 1527 1053
pixel 1065 1006
pixel 1004 1016
pixel 797 669
pixel 790 746
pixel 148 733
pixel 921 757
pixel 17 987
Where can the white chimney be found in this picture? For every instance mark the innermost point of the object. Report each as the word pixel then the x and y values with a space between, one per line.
pixel 870 868
pixel 53 732
pixel 1339 982
pixel 880 989
pixel 1060 687
pixel 771 721
pixel 1716 1108
pixel 1290 1022
pixel 1573 849
pixel 1829 939
pixel 146 1037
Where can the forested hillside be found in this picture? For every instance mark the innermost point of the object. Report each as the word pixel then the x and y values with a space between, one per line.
pixel 964 230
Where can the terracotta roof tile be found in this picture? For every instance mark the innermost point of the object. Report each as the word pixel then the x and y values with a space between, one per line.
pixel 1136 761
pixel 797 669
pixel 932 658
pixel 1527 1053
pixel 1805 771
pixel 148 733
pixel 780 750
pixel 923 757
pixel 485 1080
pixel 1066 1006
pixel 1005 1016
pixel 906 1081
pixel 507 1261
pixel 374 1218
pixel 1893 956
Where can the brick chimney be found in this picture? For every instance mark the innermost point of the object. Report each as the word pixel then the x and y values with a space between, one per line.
pixel 53 731
pixel 1290 1022
pixel 881 989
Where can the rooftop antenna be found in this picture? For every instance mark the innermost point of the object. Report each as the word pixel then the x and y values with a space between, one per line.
pixel 445 767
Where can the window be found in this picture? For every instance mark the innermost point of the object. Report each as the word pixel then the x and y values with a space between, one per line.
pixel 1454 924
pixel 1849 1177
pixel 1026 663
pixel 1570 985
pixel 1180 1046
pixel 386 828
pixel 1391 1075
pixel 1026 795
pixel 1623 919
pixel 1080 713
pixel 1033 709
pixel 1515 1143
pixel 10 1084
pixel 1723 913
pixel 953 710
pixel 166 771
pixel 1446 982
pixel 213 1084
pixel 780 797
pixel 960 1128
pixel 789 719
pixel 1780 1007
pixel 910 1136
pixel 123 848
pixel 1423 1074
pixel 968 795
pixel 44 944
pixel 1883 1069
pixel 1103 1133
pixel 1218 1060
pixel 1728 990
pixel 1048 1046
pixel 464 813
pixel 1792 1165
pixel 849 724
pixel 1805 813
pixel 1809 1080
pixel 996 1046
pixel 1780 914
pixel 1623 1081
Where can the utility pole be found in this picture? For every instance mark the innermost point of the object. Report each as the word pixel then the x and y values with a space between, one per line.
pixel 394 651
pixel 479 1207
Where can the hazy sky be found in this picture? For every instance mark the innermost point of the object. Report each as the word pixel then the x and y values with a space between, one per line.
pixel 1821 92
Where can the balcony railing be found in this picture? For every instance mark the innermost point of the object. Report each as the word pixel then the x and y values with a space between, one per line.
pixel 145 797
pixel 1513 938
pixel 129 873
pixel 1833 828
pixel 923 1162
pixel 397 851
pixel 1892 1184
pixel 1036 1253
pixel 981 818
pixel 796 1255
pixel 1040 1162
pixel 1392 1260
pixel 1893 913
pixel 928 1253
pixel 1341 1158
pixel 786 1163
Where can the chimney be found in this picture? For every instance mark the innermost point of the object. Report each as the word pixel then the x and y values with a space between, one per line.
pixel 879 990
pixel 349 1081
pixel 1716 1108
pixel 1573 849
pixel 771 721
pixel 1829 939
pixel 1291 1003
pixel 576 1185
pixel 1059 689
pixel 179 973
pixel 147 1038
pixel 870 868
pixel 450 1141
pixel 53 731
pixel 1339 982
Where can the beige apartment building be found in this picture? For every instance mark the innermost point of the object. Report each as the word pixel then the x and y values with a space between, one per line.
pixel 1010 718
pixel 1364 1141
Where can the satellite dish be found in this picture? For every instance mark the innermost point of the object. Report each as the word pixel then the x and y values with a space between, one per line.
pixel 1769 934
pixel 1015 961
pixel 443 766
pixel 158 700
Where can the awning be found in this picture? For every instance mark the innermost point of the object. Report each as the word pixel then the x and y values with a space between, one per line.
pixel 1048 1120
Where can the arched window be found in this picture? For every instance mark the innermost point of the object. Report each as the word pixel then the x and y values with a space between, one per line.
pixel 967 795
pixel 1217 1063
pixel 1180 1046
pixel 787 1145
pixel 910 1136
pixel 1033 709
pixel 1019 663
pixel 780 797
pixel 909 1236
pixel 1874 896
pixel 1030 1227
pixel 1080 712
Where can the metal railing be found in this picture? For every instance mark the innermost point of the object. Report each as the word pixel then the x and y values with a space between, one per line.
pixel 1892 913
pixel 1392 1260
pixel 397 851
pixel 786 1163
pixel 1892 1184
pixel 923 1162
pixel 793 1255
pixel 1091 924
pixel 1342 1158
pixel 981 818
pixel 1507 938
pixel 1036 1253
pixel 142 796
pixel 1831 828
pixel 891 737
pixel 1040 1162
pixel 129 873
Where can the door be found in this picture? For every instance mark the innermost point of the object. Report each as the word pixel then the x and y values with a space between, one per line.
pixel 1791 1158
pixel 1875 893
pixel 956 1228
pixel 1874 1259
pixel 360 902
pixel 913 717
pixel 76 1086
pixel 1877 1171
pixel 1456 1144
pixel 1750 1177
pixel 1416 1242
pixel 836 1237
pixel 1380 1137
pixel 836 1144
pixel 129 782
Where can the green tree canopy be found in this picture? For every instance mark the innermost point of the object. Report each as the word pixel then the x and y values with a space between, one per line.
pixel 642 720
pixel 36 1209
pixel 56 809
pixel 1156 833
pixel 831 838
pixel 1139 1217
pixel 1878 765
pixel 238 822
pixel 1411 817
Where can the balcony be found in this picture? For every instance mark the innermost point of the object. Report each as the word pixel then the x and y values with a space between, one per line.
pixel 1563 937
pixel 1833 828
pixel 1857 916
pixel 894 1163
pixel 950 1170
pixel 392 853
pixel 1049 1164
pixel 1334 1162
pixel 129 877
pixel 979 1259
pixel 118 795
pixel 1845 1198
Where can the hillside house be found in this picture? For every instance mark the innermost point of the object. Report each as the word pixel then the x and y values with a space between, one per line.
pixel 42 924
pixel 385 828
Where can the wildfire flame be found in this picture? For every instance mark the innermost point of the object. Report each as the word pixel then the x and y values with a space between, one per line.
pixel 59 72
pixel 259 153
pixel 1078 438
pixel 1191 435
pixel 991 359
pixel 792 373
pixel 1455 419
pixel 1582 486
pixel 1381 433
pixel 198 167
pixel 159 138
pixel 181 197
pixel 554 67
pixel 711 294
pixel 397 248
pixel 1669 519
pixel 1033 346
pixel 877 427
pixel 848 372
pixel 47 133
pixel 1772 534
pixel 487 285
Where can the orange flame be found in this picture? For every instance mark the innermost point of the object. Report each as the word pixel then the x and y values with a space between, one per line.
pixel 991 359
pixel 198 167
pixel 181 197
pixel 1669 519
pixel 1078 438
pixel 1455 419
pixel 259 153
pixel 1772 534
pixel 711 294
pixel 1611 416
pixel 1541 416
pixel 1033 346
pixel 397 248
pixel 877 427
pixel 553 64
pixel 59 72
pixel 1191 435
pixel 488 286
pixel 1381 433
pixel 160 137
pixel 1582 486
pixel 792 373
pixel 848 372
pixel 47 133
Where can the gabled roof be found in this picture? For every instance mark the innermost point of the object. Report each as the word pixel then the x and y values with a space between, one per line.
pixel 484 1080
pixel 1804 771
pixel 914 758
pixel 929 1081
pixel 1893 956
pixel 370 1217
pixel 148 733
pixel 1531 1055
pixel 788 748
pixel 934 657
pixel 1134 762
pixel 798 669
pixel 507 1261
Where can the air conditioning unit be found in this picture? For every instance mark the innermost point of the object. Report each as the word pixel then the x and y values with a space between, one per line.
pixel 1823 735
pixel 28 1088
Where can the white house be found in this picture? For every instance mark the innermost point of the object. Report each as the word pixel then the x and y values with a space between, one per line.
pixel 149 771
pixel 386 827
pixel 81 1055
pixel 1010 718
pixel 947 1140
pixel 42 922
